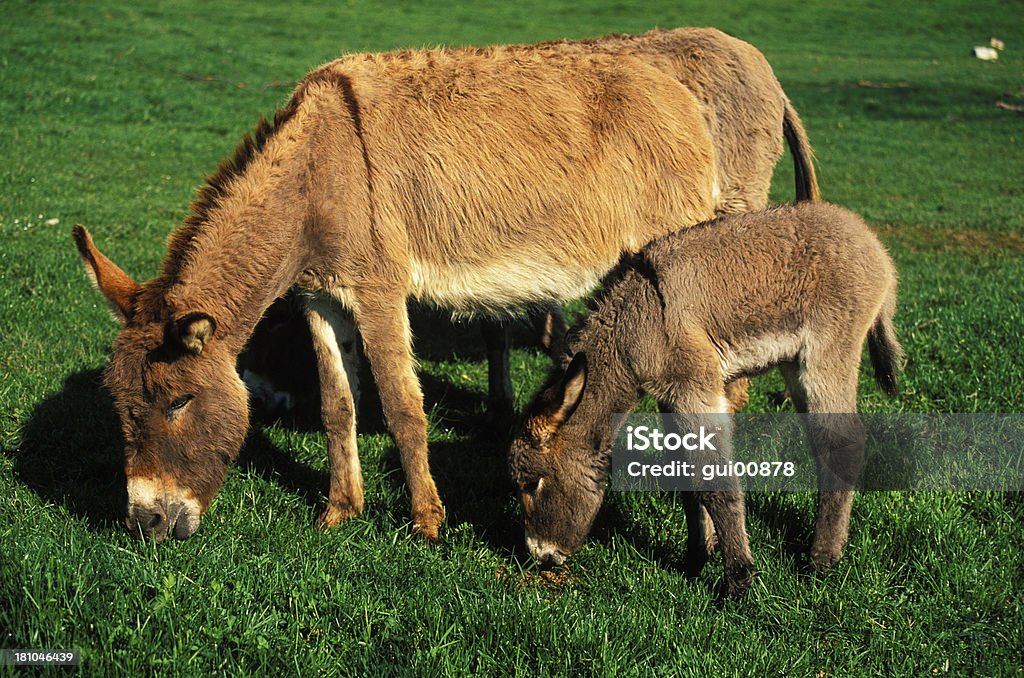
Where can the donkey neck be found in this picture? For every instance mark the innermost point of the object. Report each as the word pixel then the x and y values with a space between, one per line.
pixel 243 246
pixel 628 309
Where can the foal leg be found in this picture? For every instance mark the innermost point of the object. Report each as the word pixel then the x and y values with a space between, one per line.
pixel 697 394
pixel 724 503
pixel 383 321
pixel 497 338
pixel 331 327
pixel 837 439
pixel 700 534
pixel 700 530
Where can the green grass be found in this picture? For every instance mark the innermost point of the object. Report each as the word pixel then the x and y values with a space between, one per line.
pixel 114 113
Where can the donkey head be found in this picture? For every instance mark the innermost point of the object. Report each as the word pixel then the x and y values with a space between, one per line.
pixel 556 469
pixel 184 411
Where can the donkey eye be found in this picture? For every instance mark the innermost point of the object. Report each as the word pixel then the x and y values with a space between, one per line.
pixel 177 404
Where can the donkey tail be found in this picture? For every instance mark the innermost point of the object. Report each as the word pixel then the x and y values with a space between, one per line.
pixel 803 156
pixel 886 352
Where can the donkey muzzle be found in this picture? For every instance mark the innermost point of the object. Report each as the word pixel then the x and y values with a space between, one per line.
pixel 160 519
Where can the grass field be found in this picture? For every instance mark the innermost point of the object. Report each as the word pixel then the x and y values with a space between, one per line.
pixel 113 113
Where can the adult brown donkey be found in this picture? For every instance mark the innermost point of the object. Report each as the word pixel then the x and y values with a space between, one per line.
pixel 481 180
pixel 747 114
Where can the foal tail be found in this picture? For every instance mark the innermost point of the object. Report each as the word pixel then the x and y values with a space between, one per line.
pixel 886 352
pixel 803 157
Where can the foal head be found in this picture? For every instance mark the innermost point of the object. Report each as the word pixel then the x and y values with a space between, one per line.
pixel 558 474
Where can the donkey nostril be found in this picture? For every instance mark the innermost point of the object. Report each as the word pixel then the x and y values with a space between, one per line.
pixel 155 520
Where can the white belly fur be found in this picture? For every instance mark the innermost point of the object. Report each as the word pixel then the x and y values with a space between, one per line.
pixel 501 287
pixel 757 354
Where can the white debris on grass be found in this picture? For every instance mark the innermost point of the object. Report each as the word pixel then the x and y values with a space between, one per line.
pixel 985 53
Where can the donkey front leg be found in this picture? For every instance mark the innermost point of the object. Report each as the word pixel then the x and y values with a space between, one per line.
pixel 700 534
pixel 330 326
pixel 383 321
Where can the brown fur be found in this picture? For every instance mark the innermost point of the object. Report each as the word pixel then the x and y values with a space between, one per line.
pixel 797 287
pixel 747 114
pixel 745 107
pixel 479 180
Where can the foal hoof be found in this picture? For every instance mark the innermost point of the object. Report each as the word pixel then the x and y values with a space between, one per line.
pixel 335 513
pixel 738 579
pixel 823 560
pixel 427 522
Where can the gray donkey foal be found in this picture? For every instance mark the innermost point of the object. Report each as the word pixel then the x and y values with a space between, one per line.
pixel 798 287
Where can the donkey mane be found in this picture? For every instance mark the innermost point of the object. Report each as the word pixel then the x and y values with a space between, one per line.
pixel 602 316
pixel 215 186
pixel 150 299
pixel 151 296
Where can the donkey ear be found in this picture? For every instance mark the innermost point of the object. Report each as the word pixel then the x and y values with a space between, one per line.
pixel 116 285
pixel 570 389
pixel 194 331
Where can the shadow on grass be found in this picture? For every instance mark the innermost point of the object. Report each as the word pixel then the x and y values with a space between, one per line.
pixel 71 451
pixel 470 473
pixel 71 454
pixel 663 539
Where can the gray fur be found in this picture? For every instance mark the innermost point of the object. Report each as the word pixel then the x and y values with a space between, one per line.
pixel 796 287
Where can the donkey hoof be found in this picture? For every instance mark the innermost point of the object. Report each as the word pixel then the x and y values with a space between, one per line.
pixel 335 513
pixel 427 522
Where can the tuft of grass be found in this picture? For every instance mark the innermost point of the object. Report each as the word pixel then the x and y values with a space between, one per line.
pixel 115 113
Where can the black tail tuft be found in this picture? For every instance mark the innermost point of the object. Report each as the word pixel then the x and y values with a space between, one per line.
pixel 886 354
pixel 803 158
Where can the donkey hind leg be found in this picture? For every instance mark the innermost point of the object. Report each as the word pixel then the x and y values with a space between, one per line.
pixel 331 328
pixel 837 440
pixel 383 322
pixel 723 501
pixel 497 339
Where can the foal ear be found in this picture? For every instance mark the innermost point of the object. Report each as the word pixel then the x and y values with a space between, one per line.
pixel 195 331
pixel 571 387
pixel 116 285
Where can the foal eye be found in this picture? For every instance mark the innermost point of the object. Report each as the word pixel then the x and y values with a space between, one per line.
pixel 177 404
